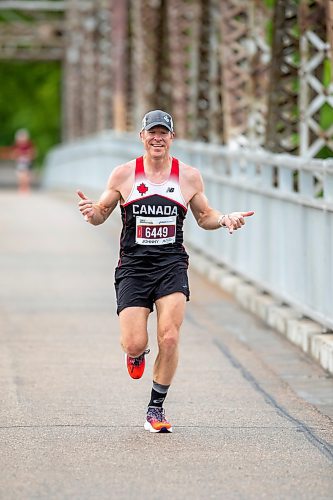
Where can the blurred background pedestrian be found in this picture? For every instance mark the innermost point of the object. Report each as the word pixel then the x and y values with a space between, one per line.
pixel 24 153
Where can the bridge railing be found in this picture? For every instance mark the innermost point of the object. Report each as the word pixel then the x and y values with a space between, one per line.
pixel 286 249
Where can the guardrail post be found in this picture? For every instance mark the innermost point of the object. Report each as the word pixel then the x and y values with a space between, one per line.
pixel 285 177
pixel 328 183
pixel 305 185
pixel 266 175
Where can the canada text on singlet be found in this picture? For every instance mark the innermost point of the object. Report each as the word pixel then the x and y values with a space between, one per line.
pixel 153 216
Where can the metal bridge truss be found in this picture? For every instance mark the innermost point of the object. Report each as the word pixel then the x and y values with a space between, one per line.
pixel 35 30
pixel 231 71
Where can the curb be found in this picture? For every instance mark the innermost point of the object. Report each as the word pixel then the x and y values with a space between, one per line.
pixel 307 334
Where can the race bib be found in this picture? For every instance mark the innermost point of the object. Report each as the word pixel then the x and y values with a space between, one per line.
pixel 155 230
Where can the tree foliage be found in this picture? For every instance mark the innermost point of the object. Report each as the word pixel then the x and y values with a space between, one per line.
pixel 30 98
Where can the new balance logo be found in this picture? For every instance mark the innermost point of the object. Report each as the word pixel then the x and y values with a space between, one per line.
pixel 170 190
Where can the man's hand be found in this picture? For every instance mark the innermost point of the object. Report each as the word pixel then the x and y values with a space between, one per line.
pixel 235 220
pixel 86 207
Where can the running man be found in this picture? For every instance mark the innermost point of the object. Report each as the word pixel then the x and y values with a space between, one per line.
pixel 154 193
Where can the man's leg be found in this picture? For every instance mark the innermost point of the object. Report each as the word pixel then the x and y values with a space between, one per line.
pixel 170 315
pixel 134 338
pixel 133 330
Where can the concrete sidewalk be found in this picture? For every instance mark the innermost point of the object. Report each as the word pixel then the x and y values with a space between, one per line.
pixel 252 414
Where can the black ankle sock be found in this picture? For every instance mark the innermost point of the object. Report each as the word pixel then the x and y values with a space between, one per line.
pixel 158 394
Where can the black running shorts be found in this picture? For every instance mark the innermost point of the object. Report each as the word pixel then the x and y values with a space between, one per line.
pixel 143 290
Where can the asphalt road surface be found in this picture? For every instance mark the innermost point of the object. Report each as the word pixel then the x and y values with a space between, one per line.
pixel 252 415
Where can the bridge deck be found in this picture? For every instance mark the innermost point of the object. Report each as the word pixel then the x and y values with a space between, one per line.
pixel 252 415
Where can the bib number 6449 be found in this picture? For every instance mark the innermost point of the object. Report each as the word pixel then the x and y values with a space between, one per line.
pixel 155 230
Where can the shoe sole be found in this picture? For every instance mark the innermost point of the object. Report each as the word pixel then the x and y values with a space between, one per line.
pixel 150 428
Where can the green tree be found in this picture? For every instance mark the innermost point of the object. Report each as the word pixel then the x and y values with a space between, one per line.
pixel 30 98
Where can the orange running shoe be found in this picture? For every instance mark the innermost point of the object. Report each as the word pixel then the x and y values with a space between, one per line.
pixel 156 421
pixel 136 366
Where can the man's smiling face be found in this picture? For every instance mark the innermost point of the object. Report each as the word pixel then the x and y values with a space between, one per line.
pixel 157 141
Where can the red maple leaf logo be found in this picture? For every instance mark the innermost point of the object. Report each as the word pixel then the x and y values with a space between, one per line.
pixel 142 188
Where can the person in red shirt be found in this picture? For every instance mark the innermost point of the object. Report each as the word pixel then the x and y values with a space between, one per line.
pixel 24 153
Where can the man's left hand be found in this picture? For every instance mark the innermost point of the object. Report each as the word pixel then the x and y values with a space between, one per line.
pixel 235 220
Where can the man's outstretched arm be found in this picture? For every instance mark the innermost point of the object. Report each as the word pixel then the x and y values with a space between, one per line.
pixel 210 218
pixel 97 212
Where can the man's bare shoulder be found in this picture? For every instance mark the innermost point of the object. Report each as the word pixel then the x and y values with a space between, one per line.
pixel 190 181
pixel 189 175
pixel 122 173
